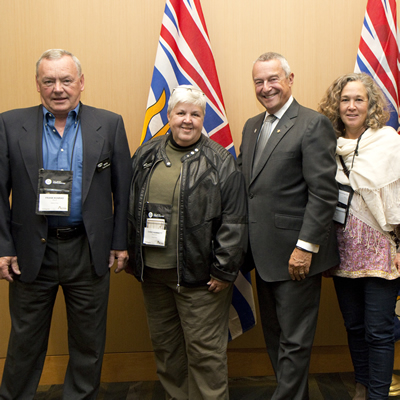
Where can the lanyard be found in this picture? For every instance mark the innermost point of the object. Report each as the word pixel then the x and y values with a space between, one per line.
pixel 345 169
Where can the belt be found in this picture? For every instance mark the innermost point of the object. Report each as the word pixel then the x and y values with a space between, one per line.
pixel 67 232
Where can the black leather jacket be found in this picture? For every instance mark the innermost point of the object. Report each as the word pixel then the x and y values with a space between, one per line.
pixel 212 227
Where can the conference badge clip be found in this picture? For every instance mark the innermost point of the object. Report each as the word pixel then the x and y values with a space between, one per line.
pixel 54 193
pixel 157 217
pixel 344 200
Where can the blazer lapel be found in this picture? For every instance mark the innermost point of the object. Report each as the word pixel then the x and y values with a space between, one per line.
pixel 28 142
pixel 93 143
pixel 254 131
pixel 283 126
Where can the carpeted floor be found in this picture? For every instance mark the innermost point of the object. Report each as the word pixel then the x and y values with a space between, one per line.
pixel 338 386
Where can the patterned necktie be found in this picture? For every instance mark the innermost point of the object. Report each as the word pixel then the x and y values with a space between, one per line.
pixel 263 137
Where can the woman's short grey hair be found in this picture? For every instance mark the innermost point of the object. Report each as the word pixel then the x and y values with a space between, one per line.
pixel 276 56
pixel 56 54
pixel 187 94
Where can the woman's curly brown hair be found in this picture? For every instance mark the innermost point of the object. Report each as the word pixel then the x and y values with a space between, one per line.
pixel 378 109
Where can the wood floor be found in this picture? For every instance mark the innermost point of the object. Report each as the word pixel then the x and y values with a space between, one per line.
pixel 339 386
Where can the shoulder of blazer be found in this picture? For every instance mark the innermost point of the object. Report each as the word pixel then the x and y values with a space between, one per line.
pixel 97 120
pixel 293 111
pixel 23 116
pixel 89 113
pixel 297 109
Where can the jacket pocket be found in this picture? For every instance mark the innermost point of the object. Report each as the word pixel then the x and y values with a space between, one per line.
pixel 293 222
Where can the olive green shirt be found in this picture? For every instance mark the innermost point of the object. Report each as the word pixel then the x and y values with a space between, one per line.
pixel 164 189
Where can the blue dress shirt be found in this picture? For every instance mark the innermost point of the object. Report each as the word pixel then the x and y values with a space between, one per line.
pixel 57 153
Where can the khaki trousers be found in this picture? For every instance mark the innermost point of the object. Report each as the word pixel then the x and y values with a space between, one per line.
pixel 189 332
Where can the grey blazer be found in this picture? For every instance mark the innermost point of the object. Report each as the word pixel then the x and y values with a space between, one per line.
pixel 292 193
pixel 104 192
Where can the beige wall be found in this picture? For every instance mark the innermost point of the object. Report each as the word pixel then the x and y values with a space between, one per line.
pixel 116 42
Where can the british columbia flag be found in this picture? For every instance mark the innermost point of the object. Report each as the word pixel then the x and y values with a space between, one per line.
pixel 378 52
pixel 184 57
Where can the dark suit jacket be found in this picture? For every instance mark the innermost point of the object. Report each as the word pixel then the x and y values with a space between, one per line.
pixel 292 194
pixel 22 232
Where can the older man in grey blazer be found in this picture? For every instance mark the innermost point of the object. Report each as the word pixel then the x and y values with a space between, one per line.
pixel 287 158
pixel 67 166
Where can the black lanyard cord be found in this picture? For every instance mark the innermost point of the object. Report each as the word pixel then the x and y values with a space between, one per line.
pixel 345 169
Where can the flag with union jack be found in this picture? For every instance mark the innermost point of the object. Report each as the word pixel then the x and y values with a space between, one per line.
pixel 378 52
pixel 184 57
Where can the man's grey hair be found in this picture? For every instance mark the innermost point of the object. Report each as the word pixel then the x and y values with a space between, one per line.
pixel 56 54
pixel 275 56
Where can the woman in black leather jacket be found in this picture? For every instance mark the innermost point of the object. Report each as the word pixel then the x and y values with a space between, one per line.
pixel 187 236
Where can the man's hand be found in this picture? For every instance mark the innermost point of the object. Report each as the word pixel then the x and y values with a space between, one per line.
pixel 122 258
pixel 8 268
pixel 299 264
pixel 216 285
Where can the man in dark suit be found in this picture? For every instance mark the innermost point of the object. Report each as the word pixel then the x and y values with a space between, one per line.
pixel 67 166
pixel 292 196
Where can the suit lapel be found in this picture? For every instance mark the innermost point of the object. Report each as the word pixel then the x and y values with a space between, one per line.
pixel 283 126
pixel 93 143
pixel 28 142
pixel 254 131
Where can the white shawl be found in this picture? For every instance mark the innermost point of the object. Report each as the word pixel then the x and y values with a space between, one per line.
pixel 375 173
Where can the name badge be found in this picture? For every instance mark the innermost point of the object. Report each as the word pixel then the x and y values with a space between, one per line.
pixel 157 218
pixel 54 193
pixel 102 165
pixel 155 232
pixel 53 202
pixel 344 200
pixel 344 197
pixel 339 215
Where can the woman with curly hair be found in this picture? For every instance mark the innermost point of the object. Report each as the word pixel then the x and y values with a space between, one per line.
pixel 368 174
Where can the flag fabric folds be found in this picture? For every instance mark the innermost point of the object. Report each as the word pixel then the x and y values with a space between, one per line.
pixel 184 57
pixel 378 52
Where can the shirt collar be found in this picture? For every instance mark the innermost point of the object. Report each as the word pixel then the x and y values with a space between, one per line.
pixel 282 110
pixel 73 113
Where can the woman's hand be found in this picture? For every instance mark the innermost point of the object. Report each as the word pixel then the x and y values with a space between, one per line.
pixel 397 261
pixel 216 285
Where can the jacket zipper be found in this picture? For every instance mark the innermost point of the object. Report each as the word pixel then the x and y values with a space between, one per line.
pixel 141 218
pixel 178 285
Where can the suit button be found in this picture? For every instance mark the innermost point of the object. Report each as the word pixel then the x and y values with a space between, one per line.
pixel 251 195
pixel 43 240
